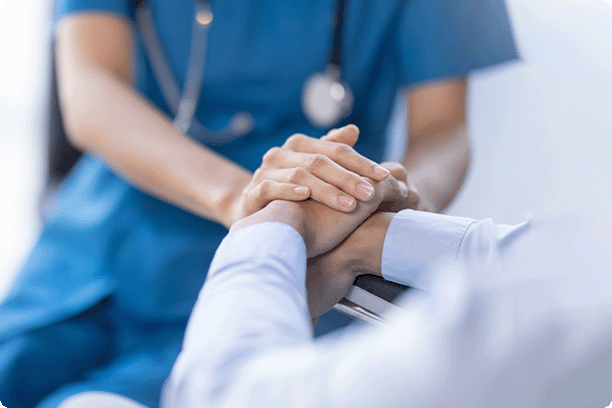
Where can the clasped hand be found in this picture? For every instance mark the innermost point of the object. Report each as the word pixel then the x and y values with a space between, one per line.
pixel 326 170
pixel 321 222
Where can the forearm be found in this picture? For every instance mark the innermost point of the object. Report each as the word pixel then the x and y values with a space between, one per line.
pixel 248 341
pixel 402 247
pixel 362 251
pixel 106 117
pixel 254 301
pixel 440 329
pixel 437 164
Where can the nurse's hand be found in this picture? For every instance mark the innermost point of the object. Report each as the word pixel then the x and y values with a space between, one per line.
pixel 328 170
pixel 322 227
pixel 331 274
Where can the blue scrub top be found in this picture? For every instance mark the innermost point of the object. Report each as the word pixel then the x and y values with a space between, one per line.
pixel 109 242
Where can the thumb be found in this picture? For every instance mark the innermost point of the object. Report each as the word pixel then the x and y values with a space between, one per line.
pixel 347 135
pixel 397 170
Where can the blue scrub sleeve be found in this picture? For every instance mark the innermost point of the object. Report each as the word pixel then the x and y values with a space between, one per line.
pixel 439 39
pixel 121 7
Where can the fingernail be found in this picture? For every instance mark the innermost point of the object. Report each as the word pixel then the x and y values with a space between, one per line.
pixel 380 171
pixel 346 201
pixel 301 190
pixel 364 190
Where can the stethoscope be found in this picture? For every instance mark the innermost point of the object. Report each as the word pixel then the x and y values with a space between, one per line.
pixel 326 99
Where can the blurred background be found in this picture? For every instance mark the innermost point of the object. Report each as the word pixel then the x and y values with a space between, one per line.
pixel 25 28
pixel 541 128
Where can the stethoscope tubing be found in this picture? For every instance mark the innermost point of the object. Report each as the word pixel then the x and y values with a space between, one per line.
pixel 183 104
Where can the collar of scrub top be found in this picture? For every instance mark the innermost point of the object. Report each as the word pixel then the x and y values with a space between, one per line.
pixel 325 99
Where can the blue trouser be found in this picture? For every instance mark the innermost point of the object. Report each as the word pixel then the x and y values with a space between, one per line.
pixel 44 366
pixel 38 361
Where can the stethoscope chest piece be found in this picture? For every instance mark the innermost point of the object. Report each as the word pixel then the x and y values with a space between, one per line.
pixel 326 100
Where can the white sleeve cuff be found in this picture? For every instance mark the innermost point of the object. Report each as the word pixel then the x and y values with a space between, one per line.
pixel 253 245
pixel 415 239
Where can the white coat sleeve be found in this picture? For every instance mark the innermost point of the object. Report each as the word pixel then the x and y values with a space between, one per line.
pixel 506 322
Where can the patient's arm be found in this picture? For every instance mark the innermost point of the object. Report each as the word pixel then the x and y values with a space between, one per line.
pixel 331 274
pixel 507 325
pixel 398 247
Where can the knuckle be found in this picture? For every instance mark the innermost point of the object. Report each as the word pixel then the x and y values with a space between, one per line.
pixel 248 198
pixel 264 188
pixel 295 140
pixel 297 175
pixel 331 195
pixel 341 149
pixel 289 142
pixel 258 175
pixel 317 161
pixel 286 190
pixel 397 170
pixel 349 178
pixel 271 155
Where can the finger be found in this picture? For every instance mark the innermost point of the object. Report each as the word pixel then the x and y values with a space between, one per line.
pixel 270 190
pixel 319 190
pixel 413 199
pixel 347 135
pixel 340 153
pixel 397 170
pixel 325 169
pixel 388 188
pixel 330 133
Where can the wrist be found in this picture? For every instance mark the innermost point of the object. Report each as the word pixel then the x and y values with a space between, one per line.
pixel 227 203
pixel 362 250
pixel 290 213
pixel 424 204
pixel 227 208
pixel 277 211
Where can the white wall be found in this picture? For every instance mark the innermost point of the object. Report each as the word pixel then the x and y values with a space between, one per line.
pixel 24 29
pixel 542 129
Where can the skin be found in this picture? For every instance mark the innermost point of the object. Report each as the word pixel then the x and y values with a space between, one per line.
pixel 105 116
pixel 438 152
pixel 332 246
pixel 331 275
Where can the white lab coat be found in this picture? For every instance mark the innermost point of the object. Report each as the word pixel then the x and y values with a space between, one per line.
pixel 509 317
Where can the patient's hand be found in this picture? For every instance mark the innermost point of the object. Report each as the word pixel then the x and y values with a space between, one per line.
pixel 332 274
pixel 323 228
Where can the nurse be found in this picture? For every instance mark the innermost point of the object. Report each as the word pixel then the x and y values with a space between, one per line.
pixel 177 153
